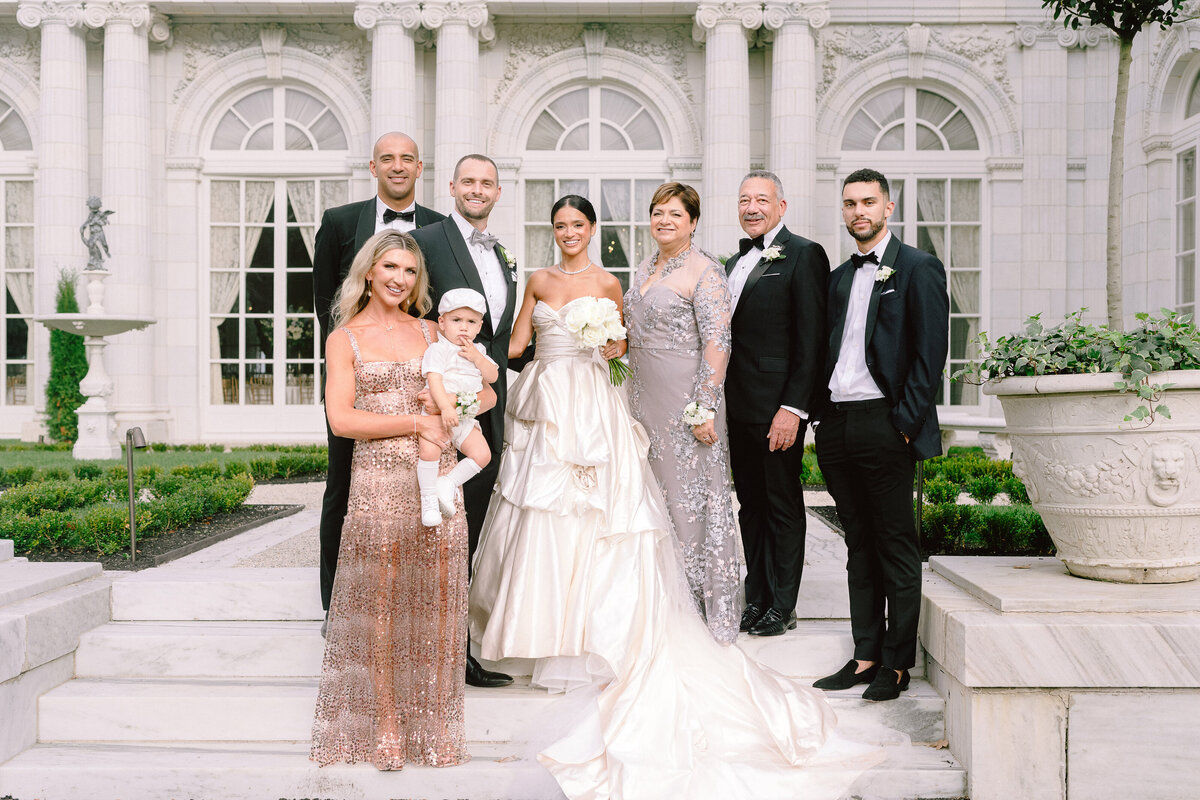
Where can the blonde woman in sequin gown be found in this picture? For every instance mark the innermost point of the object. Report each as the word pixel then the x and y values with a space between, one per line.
pixel 577 568
pixel 392 686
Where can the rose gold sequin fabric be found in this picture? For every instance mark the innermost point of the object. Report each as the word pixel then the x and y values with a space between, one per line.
pixel 392 680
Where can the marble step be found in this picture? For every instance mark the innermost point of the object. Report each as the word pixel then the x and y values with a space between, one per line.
pixel 245 593
pixel 281 709
pixel 6 549
pixel 20 579
pixel 294 649
pixel 48 625
pixel 235 771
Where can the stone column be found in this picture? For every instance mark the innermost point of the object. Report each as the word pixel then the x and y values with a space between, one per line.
pixel 460 121
pixel 125 189
pixel 394 97
pixel 724 28
pixel 793 154
pixel 61 189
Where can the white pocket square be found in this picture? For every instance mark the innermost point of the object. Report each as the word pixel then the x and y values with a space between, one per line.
pixel 889 291
pixel 770 275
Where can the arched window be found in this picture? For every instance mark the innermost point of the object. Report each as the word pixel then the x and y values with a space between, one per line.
pixel 580 141
pixel 263 341
pixel 16 260
pixel 927 147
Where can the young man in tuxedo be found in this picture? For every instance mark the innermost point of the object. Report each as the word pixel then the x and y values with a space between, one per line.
pixel 460 252
pixel 888 332
pixel 396 165
pixel 778 281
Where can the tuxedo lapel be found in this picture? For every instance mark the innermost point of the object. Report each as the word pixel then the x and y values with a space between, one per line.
pixel 889 261
pixel 757 271
pixel 424 216
pixel 510 285
pixel 731 263
pixel 841 301
pixel 365 228
pixel 466 264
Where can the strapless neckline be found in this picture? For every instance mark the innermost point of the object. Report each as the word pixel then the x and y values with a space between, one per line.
pixel 564 305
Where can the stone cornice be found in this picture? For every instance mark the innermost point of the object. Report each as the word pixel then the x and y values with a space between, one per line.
pixel 436 13
pixel 33 14
pixel 778 12
pixel 406 12
pixel 710 15
pixel 97 15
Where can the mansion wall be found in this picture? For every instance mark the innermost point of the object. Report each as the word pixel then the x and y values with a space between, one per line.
pixel 219 135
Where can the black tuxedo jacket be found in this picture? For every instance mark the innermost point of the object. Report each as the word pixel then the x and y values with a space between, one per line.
pixel 907 335
pixel 450 266
pixel 778 330
pixel 343 232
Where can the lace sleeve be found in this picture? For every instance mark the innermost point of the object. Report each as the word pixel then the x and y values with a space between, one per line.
pixel 712 304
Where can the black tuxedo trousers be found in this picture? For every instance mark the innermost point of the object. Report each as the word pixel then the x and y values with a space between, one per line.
pixel 868 469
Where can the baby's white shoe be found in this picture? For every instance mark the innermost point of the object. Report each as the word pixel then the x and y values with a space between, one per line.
pixel 431 515
pixel 445 496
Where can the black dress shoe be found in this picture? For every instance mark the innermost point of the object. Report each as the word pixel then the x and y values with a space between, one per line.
pixel 846 677
pixel 774 623
pixel 750 617
pixel 478 676
pixel 887 685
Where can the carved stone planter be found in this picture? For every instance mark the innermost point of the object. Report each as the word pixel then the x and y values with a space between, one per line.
pixel 1120 500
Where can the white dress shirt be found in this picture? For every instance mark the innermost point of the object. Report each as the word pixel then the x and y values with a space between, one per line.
pixel 851 379
pixel 396 224
pixel 491 273
pixel 737 283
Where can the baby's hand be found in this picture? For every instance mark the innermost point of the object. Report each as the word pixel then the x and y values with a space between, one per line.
pixel 449 419
pixel 471 353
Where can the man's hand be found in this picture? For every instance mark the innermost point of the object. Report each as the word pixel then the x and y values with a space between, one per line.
pixel 784 429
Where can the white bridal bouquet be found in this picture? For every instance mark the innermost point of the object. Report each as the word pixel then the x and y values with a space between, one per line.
pixel 466 404
pixel 594 321
pixel 694 414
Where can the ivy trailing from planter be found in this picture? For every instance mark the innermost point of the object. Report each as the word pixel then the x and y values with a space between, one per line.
pixel 1169 341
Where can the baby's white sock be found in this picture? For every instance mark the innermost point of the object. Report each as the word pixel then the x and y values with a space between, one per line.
pixel 464 471
pixel 427 476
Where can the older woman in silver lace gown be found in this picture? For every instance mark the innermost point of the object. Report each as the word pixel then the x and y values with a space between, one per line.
pixel 677 311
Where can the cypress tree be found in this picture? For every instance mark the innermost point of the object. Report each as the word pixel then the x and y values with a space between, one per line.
pixel 68 366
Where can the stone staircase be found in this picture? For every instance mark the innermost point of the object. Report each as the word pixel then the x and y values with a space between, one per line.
pixel 204 682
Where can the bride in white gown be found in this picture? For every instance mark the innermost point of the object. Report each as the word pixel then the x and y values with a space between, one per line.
pixel 577 568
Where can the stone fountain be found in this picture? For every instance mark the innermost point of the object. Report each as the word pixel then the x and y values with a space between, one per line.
pixel 97 423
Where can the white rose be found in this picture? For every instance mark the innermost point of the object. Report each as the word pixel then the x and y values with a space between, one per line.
pixel 576 318
pixel 593 337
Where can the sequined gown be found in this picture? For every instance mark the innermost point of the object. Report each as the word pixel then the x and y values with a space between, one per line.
pixel 577 568
pixel 678 350
pixel 392 679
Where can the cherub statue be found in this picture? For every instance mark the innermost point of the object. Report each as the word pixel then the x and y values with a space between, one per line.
pixel 92 234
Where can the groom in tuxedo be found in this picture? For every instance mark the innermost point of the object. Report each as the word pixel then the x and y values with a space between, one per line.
pixel 396 166
pixel 460 252
pixel 778 282
pixel 888 332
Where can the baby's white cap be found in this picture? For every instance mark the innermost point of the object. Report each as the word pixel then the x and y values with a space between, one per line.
pixel 462 298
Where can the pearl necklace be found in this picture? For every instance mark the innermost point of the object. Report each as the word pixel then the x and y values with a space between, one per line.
pixel 573 272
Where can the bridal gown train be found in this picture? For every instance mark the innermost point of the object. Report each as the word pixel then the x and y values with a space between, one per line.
pixel 577 568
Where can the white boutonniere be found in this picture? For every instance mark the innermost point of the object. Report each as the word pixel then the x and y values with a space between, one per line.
pixel 883 273
pixel 467 405
pixel 772 253
pixel 509 261
pixel 694 414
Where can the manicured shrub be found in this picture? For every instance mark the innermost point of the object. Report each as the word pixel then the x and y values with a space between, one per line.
pixel 18 476
pixel 68 366
pixel 1015 489
pixel 940 491
pixel 983 488
pixel 88 469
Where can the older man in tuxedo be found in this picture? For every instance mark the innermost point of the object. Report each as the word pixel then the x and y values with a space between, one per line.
pixel 778 283
pixel 888 332
pixel 459 251
pixel 396 166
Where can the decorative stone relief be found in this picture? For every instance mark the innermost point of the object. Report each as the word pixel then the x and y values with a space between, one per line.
pixel 1052 30
pixel 272 38
pixel 436 13
pixel 19 49
pixel 343 46
pixel 368 15
pixel 97 15
pixel 32 15
pixel 709 15
pixel 593 46
pixel 1074 477
pixel 814 12
pixel 981 48
pixel 662 45
pixel 528 44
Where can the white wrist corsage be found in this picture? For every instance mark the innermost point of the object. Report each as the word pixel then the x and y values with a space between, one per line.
pixel 883 273
pixel 509 261
pixel 772 253
pixel 694 414
pixel 466 404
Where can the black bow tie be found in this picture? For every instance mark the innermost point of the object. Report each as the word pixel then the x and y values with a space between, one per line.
pixel 860 259
pixel 746 245
pixel 406 216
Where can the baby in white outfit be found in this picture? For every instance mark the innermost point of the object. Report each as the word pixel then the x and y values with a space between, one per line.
pixel 455 368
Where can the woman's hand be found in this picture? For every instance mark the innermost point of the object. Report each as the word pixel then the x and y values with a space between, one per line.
pixel 431 429
pixel 706 433
pixel 612 349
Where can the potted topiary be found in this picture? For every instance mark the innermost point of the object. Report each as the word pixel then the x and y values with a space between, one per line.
pixel 1109 465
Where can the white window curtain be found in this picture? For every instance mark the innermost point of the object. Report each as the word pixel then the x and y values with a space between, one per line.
pixel 260 196
pixel 302 194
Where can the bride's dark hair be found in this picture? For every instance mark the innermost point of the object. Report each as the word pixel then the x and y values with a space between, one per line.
pixel 580 204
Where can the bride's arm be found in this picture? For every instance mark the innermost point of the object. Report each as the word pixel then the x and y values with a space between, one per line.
pixel 522 330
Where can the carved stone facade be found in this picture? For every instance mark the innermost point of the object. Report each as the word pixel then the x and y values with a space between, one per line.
pixel 725 85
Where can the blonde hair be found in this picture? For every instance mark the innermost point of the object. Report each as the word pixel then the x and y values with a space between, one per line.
pixel 354 292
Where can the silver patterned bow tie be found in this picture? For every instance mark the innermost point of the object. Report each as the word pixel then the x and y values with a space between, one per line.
pixel 485 240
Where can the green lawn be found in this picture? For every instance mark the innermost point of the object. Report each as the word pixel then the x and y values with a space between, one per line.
pixel 14 453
